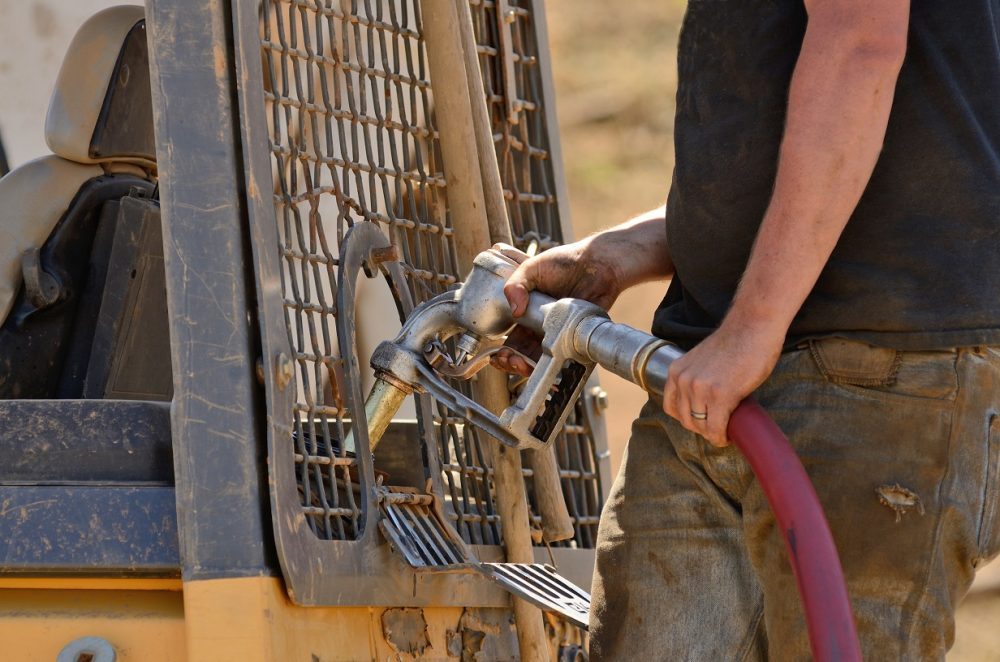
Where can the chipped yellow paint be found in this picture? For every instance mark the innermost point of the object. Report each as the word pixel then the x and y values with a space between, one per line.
pixel 215 620
pixel 251 619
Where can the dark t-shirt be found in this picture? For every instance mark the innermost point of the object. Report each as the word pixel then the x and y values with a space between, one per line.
pixel 918 265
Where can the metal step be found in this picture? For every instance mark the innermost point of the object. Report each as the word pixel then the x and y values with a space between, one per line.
pixel 415 527
pixel 541 585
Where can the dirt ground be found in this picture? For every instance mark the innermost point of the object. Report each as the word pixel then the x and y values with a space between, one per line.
pixel 616 76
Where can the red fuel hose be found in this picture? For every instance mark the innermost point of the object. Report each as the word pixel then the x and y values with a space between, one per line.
pixel 811 551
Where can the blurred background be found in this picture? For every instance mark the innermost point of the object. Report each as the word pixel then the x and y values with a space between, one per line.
pixel 615 75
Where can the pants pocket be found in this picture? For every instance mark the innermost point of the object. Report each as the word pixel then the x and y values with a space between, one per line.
pixel 855 363
pixel 989 530
pixel 864 368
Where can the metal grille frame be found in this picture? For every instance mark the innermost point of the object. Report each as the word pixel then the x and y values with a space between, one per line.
pixel 319 568
pixel 344 87
pixel 327 540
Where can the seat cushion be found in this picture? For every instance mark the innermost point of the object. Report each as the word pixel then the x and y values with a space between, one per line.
pixel 33 198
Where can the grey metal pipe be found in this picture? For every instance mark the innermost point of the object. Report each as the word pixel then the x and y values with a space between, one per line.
pixel 627 352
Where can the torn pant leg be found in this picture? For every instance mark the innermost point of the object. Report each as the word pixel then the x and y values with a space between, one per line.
pixel 904 451
pixel 902 448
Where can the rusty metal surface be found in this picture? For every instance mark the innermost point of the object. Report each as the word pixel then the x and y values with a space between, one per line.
pixel 483 634
pixel 405 630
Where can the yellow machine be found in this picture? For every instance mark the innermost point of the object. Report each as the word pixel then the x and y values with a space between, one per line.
pixel 242 200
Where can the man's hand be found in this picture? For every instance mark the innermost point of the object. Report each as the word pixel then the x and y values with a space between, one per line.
pixel 572 270
pixel 596 269
pixel 715 376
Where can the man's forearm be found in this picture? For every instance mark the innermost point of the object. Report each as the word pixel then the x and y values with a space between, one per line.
pixel 839 102
pixel 638 248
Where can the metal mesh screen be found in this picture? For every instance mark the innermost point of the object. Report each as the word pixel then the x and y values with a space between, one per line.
pixel 353 139
pixel 508 44
pixel 509 61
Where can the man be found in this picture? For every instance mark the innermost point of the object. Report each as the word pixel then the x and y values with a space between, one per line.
pixel 833 238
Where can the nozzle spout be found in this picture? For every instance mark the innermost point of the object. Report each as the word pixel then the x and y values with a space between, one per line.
pixel 382 404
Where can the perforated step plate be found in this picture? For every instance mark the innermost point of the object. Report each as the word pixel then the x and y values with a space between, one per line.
pixel 541 585
pixel 413 525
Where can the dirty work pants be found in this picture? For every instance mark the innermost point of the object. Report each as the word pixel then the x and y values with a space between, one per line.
pixel 904 451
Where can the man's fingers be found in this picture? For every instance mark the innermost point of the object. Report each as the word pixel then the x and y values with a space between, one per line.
pixel 684 405
pixel 670 399
pixel 679 382
pixel 501 361
pixel 517 296
pixel 716 423
pixel 511 252
pixel 509 361
pixel 709 400
pixel 526 342
pixel 519 286
pixel 520 366
pixel 717 409
pixel 686 395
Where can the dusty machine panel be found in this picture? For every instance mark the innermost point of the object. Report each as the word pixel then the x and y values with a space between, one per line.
pixel 337 110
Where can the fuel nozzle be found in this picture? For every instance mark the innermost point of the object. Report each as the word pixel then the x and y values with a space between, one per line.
pixel 474 320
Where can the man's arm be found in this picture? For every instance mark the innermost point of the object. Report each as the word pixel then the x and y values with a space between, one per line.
pixel 596 269
pixel 838 109
pixel 599 267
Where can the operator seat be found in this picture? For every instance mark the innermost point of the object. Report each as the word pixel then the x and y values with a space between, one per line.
pixel 58 213
pixel 86 471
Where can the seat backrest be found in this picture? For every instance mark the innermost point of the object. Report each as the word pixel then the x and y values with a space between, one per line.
pixel 101 109
pixel 100 128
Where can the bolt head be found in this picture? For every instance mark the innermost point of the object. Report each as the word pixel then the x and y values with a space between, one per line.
pixel 600 399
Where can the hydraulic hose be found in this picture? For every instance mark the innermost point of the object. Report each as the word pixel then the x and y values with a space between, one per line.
pixel 800 518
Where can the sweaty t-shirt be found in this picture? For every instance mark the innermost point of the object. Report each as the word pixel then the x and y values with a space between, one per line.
pixel 918 265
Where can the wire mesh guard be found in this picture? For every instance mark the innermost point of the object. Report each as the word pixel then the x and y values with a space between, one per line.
pixel 507 37
pixel 353 138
